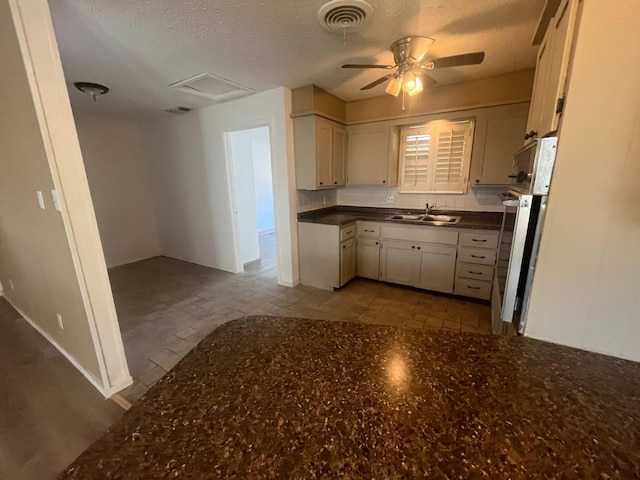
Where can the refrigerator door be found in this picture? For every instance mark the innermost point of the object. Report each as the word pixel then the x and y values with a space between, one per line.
pixel 516 226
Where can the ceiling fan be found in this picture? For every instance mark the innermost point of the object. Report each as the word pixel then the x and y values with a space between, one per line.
pixel 409 57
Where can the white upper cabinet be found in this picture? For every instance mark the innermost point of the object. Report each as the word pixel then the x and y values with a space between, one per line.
pixel 372 155
pixel 499 133
pixel 551 71
pixel 319 146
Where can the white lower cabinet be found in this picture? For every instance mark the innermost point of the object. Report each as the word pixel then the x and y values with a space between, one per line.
pixel 421 265
pixel 448 260
pixel 347 260
pixel 399 259
pixel 368 258
pixel 437 267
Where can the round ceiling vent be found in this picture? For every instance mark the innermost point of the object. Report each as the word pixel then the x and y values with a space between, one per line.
pixel 344 16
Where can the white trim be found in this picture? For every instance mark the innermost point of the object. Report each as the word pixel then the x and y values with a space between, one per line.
pixel 125 382
pixel 288 284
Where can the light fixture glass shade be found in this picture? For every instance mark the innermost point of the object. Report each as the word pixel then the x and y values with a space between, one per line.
pixel 408 81
pixel 417 88
pixel 394 87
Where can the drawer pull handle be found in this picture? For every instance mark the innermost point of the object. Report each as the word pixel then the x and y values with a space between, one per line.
pixel 348 232
pixel 479 240
pixel 478 256
pixel 473 288
pixel 370 231
pixel 475 273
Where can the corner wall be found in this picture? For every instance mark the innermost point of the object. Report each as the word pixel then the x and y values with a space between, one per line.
pixel 189 172
pixel 114 157
pixel 585 292
pixel 51 260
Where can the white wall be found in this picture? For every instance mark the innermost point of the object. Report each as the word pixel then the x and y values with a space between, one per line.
pixel 587 283
pixel 240 144
pixel 114 157
pixel 52 257
pixel 189 177
pixel 261 151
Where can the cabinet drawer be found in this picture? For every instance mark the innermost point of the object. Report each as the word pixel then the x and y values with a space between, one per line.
pixel 474 271
pixel 479 240
pixel 472 288
pixel 477 255
pixel 419 233
pixel 347 232
pixel 368 229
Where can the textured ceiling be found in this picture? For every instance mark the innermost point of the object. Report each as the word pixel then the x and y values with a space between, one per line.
pixel 138 48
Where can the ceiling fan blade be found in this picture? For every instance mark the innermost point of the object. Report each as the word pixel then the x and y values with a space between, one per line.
pixel 355 65
pixel 377 82
pixel 459 60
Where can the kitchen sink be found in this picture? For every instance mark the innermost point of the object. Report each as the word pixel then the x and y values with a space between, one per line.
pixel 440 218
pixel 407 217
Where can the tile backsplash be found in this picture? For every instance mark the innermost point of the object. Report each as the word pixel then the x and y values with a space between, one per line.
pixel 480 199
pixel 313 200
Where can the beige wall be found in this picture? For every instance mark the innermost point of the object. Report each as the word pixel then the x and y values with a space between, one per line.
pixel 114 157
pixel 53 258
pixel 504 89
pixel 34 251
pixel 587 283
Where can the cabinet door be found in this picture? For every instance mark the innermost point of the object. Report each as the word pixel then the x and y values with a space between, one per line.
pixel 437 267
pixel 561 28
pixel 368 156
pixel 399 259
pixel 324 153
pixel 339 155
pixel 347 261
pixel 368 258
pixel 551 69
pixel 504 138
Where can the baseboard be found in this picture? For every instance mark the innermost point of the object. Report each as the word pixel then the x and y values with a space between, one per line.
pixel 202 264
pixel 106 392
pixel 288 284
pixel 252 263
pixel 129 262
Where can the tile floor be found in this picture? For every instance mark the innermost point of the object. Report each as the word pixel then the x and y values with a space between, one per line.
pixel 167 306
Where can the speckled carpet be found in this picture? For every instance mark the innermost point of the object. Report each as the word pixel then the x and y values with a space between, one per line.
pixel 270 397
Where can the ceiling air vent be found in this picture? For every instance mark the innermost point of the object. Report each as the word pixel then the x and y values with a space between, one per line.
pixel 344 16
pixel 212 87
pixel 178 110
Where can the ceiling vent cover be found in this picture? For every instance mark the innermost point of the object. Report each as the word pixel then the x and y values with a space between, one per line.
pixel 210 86
pixel 344 16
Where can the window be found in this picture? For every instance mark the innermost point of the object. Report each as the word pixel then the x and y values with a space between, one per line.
pixel 435 157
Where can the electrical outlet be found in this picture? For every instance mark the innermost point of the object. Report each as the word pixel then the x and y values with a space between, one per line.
pixel 59 318
pixel 390 199
pixel 11 284
pixel 40 199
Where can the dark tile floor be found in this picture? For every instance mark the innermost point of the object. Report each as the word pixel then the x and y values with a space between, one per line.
pixel 49 413
pixel 167 306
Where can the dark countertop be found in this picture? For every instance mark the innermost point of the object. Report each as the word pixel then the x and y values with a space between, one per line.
pixel 342 215
pixel 270 397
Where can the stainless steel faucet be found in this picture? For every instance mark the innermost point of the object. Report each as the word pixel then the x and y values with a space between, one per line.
pixel 427 209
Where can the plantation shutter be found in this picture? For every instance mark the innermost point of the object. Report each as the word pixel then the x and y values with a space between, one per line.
pixel 435 157
pixel 452 157
pixel 416 151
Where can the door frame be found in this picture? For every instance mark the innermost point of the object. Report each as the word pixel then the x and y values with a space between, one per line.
pixel 231 190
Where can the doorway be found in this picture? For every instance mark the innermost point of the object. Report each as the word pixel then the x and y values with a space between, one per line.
pixel 249 153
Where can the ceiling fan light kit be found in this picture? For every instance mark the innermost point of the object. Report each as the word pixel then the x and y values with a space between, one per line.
pixel 94 90
pixel 411 66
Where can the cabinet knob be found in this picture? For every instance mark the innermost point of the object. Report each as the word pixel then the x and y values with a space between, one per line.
pixel 413 246
pixel 418 248
pixel 335 183
pixel 320 183
pixel 376 243
pixel 384 181
pixel 477 180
